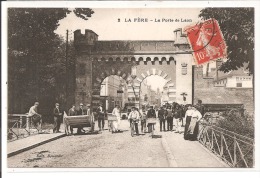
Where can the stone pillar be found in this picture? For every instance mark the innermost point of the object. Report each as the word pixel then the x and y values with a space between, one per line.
pixel 184 78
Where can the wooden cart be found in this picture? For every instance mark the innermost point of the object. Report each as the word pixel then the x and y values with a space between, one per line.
pixel 110 119
pixel 78 121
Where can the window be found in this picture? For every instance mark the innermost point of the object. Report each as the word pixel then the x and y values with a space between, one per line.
pixel 239 84
pixel 184 68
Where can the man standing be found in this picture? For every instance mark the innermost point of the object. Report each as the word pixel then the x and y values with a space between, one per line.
pixel 143 116
pixel 101 117
pixel 72 112
pixel 57 118
pixel 150 114
pixel 200 107
pixel 36 118
pixel 169 118
pixel 81 111
pixel 161 116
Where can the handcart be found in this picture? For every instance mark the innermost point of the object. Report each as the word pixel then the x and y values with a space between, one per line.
pixel 150 124
pixel 80 121
pixel 110 119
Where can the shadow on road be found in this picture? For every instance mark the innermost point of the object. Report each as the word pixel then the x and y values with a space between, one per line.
pixel 88 133
pixel 156 136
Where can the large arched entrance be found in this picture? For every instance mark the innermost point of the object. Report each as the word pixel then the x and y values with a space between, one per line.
pixel 133 61
pixel 153 91
pixel 165 71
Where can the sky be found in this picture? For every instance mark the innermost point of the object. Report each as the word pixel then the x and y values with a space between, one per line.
pixel 105 23
pixel 156 82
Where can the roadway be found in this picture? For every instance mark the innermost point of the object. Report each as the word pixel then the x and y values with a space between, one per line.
pixel 117 150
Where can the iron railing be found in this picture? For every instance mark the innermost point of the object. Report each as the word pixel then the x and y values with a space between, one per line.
pixel 20 126
pixel 234 149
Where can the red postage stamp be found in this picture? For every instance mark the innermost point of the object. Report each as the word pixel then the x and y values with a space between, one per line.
pixel 206 41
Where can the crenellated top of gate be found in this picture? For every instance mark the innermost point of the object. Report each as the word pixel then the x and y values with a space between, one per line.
pixel 88 43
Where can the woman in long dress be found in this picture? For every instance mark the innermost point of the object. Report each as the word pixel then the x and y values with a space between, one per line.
pixel 194 124
pixel 115 124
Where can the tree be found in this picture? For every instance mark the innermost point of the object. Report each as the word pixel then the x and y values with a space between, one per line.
pixel 36 56
pixel 237 26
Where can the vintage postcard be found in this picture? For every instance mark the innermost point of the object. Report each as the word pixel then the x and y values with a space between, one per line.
pixel 129 85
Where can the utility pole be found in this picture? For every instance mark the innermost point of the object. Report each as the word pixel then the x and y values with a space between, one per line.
pixel 207 70
pixel 66 68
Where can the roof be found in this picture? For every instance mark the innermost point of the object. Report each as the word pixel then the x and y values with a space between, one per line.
pixel 88 30
pixel 239 72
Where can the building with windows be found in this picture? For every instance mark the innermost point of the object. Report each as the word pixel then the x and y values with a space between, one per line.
pixel 234 79
pixel 235 87
pixel 168 94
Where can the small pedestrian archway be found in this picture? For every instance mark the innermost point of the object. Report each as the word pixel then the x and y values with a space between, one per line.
pixel 142 93
pixel 113 91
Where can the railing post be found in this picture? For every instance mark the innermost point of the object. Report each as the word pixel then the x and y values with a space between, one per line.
pixel 212 143
pixel 221 144
pixel 27 122
pixel 235 152
pixel 21 122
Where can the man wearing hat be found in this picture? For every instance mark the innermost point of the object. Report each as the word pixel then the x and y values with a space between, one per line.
pixel 134 117
pixel 162 115
pixel 81 111
pixel 101 117
pixel 57 118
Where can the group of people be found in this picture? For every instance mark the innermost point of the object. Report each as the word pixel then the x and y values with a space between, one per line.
pixel 169 116
pixel 57 116
pixel 141 115
pixel 176 114
pixel 99 113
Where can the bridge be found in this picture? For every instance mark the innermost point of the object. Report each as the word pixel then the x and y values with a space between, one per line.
pixel 215 148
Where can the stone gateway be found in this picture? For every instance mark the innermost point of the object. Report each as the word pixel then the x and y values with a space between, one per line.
pixel 133 61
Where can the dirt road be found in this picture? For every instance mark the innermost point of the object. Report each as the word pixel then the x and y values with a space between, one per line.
pixel 101 150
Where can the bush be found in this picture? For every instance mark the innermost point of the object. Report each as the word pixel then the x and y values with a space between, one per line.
pixel 240 124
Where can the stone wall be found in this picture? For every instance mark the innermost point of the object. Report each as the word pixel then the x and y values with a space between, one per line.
pixel 205 91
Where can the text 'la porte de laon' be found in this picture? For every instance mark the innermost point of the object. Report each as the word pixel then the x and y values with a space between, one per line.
pixel 139 19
